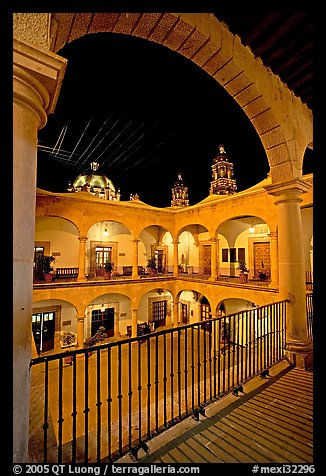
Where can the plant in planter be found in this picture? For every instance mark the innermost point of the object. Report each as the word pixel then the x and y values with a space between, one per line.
pixel 68 339
pixel 46 267
pixel 98 337
pixel 108 268
pixel 244 271
pixel 262 275
pixel 151 266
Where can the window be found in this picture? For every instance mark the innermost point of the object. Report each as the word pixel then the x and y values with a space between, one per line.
pixel 225 255
pixel 233 255
pixel 242 254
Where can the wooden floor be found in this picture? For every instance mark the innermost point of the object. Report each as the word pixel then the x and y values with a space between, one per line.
pixel 271 424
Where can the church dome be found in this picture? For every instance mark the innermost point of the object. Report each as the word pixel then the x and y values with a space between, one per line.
pixel 96 184
pixel 93 181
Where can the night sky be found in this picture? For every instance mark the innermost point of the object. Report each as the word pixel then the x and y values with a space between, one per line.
pixel 144 113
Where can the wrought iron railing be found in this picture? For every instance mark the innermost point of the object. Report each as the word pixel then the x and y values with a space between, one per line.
pixel 310 313
pixel 97 404
pixel 309 280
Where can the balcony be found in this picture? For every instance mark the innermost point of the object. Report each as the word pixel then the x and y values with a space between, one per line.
pixel 123 273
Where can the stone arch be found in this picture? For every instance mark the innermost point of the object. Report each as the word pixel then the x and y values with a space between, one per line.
pixel 68 219
pixel 201 38
pixel 112 300
pixel 65 319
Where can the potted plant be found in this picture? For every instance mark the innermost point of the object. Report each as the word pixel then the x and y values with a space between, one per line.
pixel 151 266
pixel 244 271
pixel 46 268
pixel 68 339
pixel 108 268
pixel 262 275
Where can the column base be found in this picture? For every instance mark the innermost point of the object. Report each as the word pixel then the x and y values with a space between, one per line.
pixel 212 278
pixel 300 354
pixel 81 280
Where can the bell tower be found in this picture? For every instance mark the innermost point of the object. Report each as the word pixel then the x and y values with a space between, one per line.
pixel 223 182
pixel 179 193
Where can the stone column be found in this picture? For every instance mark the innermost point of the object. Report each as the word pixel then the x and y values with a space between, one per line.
pixel 80 330
pixel 135 274
pixel 82 255
pixel 134 321
pixel 292 268
pixel 175 259
pixel 37 76
pixel 213 276
pixel 274 259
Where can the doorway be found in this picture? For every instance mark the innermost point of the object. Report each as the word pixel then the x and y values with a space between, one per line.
pixel 43 328
pixel 105 318
pixel 184 313
pixel 159 313
pixel 207 259
pixel 262 259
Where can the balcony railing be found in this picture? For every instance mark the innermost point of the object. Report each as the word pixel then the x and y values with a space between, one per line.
pixel 310 313
pixel 96 404
pixel 309 281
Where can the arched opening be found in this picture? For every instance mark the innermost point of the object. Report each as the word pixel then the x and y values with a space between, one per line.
pixel 56 238
pixel 140 138
pixel 108 242
pixel 155 310
pixel 245 240
pixel 110 311
pixel 155 250
pixel 51 320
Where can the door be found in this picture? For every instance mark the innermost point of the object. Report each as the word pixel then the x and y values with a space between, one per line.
pixel 160 261
pixel 43 327
pixel 37 269
pixel 184 313
pixel 102 255
pixel 104 318
pixel 206 314
pixel 262 258
pixel 159 313
pixel 207 259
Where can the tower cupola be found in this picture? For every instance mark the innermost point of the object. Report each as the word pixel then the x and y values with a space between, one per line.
pixel 179 193
pixel 223 182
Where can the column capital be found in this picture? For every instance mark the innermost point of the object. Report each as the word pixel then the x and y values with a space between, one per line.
pixel 135 241
pixel 81 318
pixel 82 238
pixel 175 242
pixel 273 235
pixel 38 76
pixel 288 191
